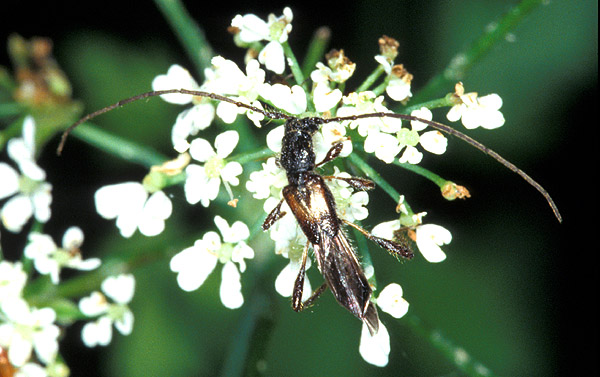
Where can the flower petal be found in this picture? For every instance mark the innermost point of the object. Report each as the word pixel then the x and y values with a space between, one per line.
pixel 231 287
pixel 375 349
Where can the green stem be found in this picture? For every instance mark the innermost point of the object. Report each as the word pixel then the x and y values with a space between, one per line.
pixel 369 81
pixel 316 49
pixel 462 62
pixel 117 146
pixel 433 104
pixel 452 352
pixel 257 155
pixel 297 72
pixel 190 34
pixel 11 109
pixel 378 179
pixel 249 346
pixel 423 172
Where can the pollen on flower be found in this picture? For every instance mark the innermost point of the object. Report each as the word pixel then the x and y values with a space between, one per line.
pixel 388 47
pixel 451 191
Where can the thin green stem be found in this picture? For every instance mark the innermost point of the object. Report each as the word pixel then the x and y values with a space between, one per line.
pixel 316 49
pixel 118 146
pixel 457 355
pixel 11 109
pixel 190 34
pixel 423 172
pixel 256 155
pixel 370 80
pixel 378 179
pixel 433 104
pixel 462 62
pixel 296 70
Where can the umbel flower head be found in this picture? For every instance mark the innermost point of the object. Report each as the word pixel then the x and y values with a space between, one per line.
pixel 362 126
pixel 388 139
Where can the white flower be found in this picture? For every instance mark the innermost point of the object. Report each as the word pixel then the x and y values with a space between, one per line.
pixel 226 78
pixel 434 142
pixel 329 134
pixel 350 203
pixel 129 203
pixel 285 232
pixel 390 300
pixel 275 30
pixel 429 239
pixel 203 182
pixel 325 98
pixel 411 155
pixel 375 349
pixel 192 120
pixel 398 87
pixel 49 259
pixel 31 370
pixel 99 332
pixel 477 111
pixel 194 264
pixel 177 77
pixel 284 283
pixel 292 100
pixel 431 141
pixel 385 146
pixel 25 329
pixel 12 280
pixel 366 103
pixel 273 57
pixel 269 181
pixel 30 194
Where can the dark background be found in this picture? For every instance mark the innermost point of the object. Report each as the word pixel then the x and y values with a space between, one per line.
pixel 517 290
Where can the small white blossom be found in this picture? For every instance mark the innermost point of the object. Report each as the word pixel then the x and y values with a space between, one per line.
pixel 203 182
pixel 192 120
pixel 475 111
pixel 329 134
pixel 29 194
pixel 12 280
pixel 350 203
pixel 284 283
pixel 119 289
pixel 398 87
pixel 25 329
pixel 429 239
pixel 366 103
pixel 431 141
pixel 325 98
pixel 290 99
pixel 133 208
pixel 194 264
pixel 275 30
pixel 390 300
pixel 49 259
pixel 177 77
pixel 267 182
pixel 375 349
pixel 385 146
pixel 226 78
pixel 31 370
pixel 411 155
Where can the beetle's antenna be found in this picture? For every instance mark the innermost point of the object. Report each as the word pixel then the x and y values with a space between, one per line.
pixel 451 131
pixel 268 113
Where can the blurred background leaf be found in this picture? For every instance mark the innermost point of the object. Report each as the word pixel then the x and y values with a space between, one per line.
pixel 515 289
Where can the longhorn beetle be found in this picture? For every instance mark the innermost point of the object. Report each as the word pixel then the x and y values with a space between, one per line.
pixel 313 205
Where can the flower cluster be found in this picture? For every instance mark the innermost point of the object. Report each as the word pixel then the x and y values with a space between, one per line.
pixel 29 194
pixel 207 170
pixel 387 138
